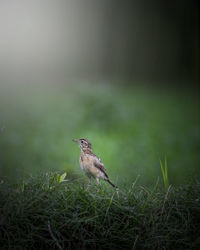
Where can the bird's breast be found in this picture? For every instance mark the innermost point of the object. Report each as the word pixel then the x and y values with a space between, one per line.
pixel 86 162
pixel 87 165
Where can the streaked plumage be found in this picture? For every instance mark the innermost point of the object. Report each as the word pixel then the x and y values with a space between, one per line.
pixel 90 163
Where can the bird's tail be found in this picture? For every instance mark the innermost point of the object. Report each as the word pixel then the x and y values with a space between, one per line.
pixel 109 181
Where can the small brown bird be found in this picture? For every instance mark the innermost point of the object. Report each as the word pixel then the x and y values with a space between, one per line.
pixel 90 163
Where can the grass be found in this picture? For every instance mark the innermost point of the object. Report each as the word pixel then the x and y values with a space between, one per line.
pixel 130 128
pixel 43 213
pixel 164 173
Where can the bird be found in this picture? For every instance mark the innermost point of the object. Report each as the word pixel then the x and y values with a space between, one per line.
pixel 90 163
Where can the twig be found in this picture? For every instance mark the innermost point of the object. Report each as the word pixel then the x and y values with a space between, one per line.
pixel 53 237
pixel 135 242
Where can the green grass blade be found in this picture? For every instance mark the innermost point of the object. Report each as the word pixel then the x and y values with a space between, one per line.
pixel 164 173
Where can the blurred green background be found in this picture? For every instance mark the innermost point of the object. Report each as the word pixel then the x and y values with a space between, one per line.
pixel 130 128
pixel 123 74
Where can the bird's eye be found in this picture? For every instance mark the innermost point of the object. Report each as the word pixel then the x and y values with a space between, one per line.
pixel 82 141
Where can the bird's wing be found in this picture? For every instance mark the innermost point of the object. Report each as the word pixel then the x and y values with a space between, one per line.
pixel 98 164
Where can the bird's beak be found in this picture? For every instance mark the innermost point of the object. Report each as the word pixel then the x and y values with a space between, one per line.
pixel 75 140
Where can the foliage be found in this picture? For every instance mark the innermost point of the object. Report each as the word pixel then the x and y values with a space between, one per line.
pixel 41 213
pixel 61 177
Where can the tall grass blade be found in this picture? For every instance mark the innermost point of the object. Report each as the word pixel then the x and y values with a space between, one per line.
pixel 164 173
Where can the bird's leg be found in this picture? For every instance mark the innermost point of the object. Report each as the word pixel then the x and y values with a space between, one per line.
pixel 97 179
pixel 89 183
pixel 98 182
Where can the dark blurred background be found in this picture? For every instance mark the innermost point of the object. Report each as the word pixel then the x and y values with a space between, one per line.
pixel 116 40
pixel 111 71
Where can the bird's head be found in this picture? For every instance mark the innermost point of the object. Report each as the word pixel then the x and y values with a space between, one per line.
pixel 84 144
